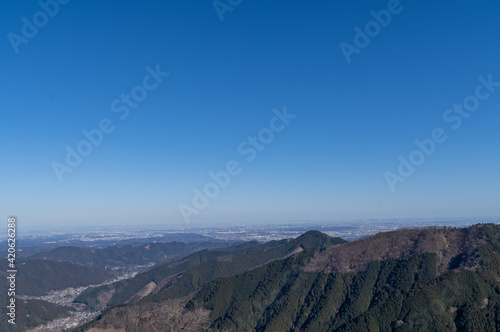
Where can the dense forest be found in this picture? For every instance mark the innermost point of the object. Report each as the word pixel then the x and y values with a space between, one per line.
pixel 432 279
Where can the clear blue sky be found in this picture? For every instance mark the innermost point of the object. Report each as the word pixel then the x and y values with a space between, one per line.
pixel 353 119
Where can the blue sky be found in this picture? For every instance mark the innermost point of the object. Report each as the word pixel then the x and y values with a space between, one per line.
pixel 225 78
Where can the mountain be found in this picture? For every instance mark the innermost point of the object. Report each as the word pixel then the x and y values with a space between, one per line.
pixel 37 312
pixel 185 275
pixel 453 247
pixel 426 279
pixel 38 277
pixel 127 255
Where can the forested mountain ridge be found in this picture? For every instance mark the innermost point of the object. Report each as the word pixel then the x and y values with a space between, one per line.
pixel 180 277
pixel 427 279
pixel 453 246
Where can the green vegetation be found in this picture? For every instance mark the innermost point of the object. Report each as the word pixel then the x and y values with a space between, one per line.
pixel 127 255
pixel 434 279
pixel 393 294
pixel 37 312
pixel 185 275
pixel 38 277
pixel 280 296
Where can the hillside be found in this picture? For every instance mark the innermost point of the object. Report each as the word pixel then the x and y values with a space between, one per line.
pixel 32 313
pixel 185 275
pixel 37 312
pixel 38 277
pixel 3 293
pixel 431 279
pixel 453 246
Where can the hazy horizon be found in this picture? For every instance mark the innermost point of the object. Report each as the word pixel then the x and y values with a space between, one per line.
pixel 193 227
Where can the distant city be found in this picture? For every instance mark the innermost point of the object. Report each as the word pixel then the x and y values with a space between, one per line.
pixel 101 237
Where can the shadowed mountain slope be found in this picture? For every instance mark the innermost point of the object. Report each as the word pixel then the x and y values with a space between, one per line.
pixel 453 246
pixel 37 277
pixel 185 275
pixel 431 279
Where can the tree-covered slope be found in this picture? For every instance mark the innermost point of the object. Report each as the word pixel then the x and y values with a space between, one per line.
pixel 183 276
pixel 405 294
pixel 38 277
pixel 431 279
pixel 36 312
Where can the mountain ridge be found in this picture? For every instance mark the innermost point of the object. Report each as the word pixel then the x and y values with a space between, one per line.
pixel 447 242
pixel 182 276
pixel 137 254
pixel 411 285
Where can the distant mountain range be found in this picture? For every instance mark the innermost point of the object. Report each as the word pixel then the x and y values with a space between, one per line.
pixel 138 254
pixel 427 279
pixel 66 267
